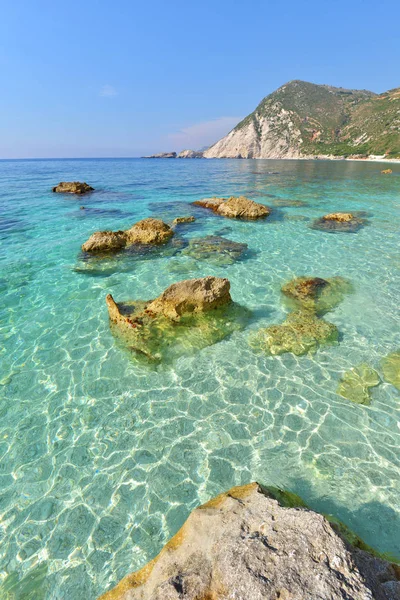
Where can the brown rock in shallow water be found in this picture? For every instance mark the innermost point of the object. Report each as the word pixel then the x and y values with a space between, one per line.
pixel 146 232
pixel 339 222
pixel 72 187
pixel 149 231
pixel 192 295
pixel 235 207
pixel 339 217
pixel 188 316
pixel 105 241
pixel 245 545
pixel 180 220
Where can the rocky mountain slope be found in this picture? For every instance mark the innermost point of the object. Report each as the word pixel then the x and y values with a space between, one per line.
pixel 303 119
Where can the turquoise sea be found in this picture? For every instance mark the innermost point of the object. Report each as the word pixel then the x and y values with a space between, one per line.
pixel 102 456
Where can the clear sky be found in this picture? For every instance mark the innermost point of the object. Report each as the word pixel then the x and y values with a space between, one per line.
pixel 126 77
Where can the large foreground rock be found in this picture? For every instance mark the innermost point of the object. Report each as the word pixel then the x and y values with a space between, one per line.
pixel 145 232
pixel 235 207
pixel 72 187
pixel 243 545
pixel 187 316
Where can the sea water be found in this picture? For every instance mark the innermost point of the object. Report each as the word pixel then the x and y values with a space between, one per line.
pixel 103 456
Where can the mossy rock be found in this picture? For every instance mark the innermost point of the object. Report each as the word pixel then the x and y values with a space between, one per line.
pixel 356 383
pixel 301 333
pixel 391 368
pixel 316 294
pixel 160 339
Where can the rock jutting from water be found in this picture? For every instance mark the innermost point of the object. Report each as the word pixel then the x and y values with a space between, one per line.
pixel 391 368
pixel 386 171
pixel 356 383
pixel 181 220
pixel 235 207
pixel 72 187
pixel 216 249
pixel 187 316
pixel 339 222
pixel 145 232
pixel 302 332
pixel 316 294
pixel 247 545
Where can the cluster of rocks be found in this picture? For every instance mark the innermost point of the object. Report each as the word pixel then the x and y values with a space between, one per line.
pixel 145 232
pixel 244 544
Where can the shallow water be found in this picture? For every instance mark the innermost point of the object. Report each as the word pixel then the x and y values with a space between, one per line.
pixel 103 457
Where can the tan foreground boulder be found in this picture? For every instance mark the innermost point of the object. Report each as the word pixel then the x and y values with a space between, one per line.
pixel 146 232
pixel 235 207
pixel 72 187
pixel 244 545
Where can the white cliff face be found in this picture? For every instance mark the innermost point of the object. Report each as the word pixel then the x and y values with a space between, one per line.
pixel 275 136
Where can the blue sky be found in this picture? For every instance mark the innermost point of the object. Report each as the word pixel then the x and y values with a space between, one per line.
pixel 125 78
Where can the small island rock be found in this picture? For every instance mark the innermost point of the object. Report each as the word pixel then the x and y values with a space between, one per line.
pixel 235 207
pixel 180 220
pixel 339 222
pixel 72 187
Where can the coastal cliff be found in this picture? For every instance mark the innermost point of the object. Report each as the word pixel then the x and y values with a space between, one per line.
pixel 305 120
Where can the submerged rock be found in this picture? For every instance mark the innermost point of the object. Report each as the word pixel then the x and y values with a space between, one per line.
pixel 187 316
pixel 216 249
pixel 180 220
pixel 391 368
pixel 336 222
pixel 146 232
pixel 300 333
pixel 356 383
pixel 316 294
pixel 235 207
pixel 287 203
pixel 72 187
pixel 245 545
